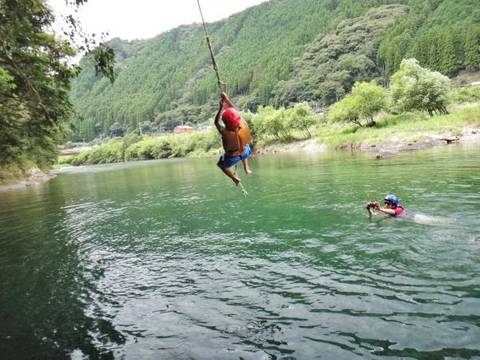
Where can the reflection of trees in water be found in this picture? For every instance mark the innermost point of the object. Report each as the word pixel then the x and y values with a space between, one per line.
pixel 45 302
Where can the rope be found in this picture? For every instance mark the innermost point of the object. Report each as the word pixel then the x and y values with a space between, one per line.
pixel 242 189
pixel 212 55
pixel 240 185
pixel 220 83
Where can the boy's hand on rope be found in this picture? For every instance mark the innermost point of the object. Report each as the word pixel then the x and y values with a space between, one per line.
pixel 226 100
pixel 223 100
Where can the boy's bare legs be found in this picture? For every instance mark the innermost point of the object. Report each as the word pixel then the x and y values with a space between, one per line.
pixel 246 167
pixel 230 174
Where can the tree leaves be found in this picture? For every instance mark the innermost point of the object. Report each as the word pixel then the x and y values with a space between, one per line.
pixel 104 61
pixel 416 88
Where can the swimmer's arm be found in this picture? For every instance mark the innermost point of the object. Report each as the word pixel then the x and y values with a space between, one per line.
pixel 387 211
pixel 379 210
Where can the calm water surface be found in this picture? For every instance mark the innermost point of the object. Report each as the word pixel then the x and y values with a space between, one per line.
pixel 166 260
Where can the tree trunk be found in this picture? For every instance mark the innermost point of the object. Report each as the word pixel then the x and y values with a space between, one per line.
pixel 308 132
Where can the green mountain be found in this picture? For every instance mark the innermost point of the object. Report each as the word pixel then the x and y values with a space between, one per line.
pixel 276 53
pixel 332 63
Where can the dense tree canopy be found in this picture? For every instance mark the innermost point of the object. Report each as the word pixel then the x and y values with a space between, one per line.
pixel 332 64
pixel 278 53
pixel 472 48
pixel 35 79
pixel 416 88
pixel 366 100
pixel 34 83
pixel 435 33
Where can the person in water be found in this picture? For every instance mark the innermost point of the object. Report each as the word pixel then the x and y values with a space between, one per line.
pixel 236 138
pixel 392 207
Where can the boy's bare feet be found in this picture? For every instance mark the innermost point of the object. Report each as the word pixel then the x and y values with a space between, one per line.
pixel 248 171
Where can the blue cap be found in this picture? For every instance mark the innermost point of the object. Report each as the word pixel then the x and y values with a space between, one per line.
pixel 392 199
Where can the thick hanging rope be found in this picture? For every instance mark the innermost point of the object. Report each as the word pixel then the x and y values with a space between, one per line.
pixel 212 55
pixel 220 83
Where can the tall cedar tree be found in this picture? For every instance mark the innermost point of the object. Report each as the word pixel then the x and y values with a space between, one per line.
pixel 449 62
pixel 434 57
pixel 472 48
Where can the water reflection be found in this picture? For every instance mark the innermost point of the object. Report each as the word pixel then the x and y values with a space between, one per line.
pixel 47 310
pixel 167 260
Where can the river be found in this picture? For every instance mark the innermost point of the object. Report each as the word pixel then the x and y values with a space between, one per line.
pixel 167 260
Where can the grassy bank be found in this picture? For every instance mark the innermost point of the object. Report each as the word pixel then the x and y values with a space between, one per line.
pixel 404 128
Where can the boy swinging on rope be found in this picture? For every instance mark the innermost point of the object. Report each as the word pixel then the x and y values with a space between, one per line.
pixel 235 137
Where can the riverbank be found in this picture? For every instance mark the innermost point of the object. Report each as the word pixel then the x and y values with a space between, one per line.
pixel 395 145
pixel 412 131
pixel 280 130
pixel 469 135
pixel 391 135
pixel 19 179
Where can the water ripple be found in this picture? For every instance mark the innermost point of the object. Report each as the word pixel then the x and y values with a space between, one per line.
pixel 144 265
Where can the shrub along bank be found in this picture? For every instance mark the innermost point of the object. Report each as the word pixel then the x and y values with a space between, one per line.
pixel 268 125
pixel 134 147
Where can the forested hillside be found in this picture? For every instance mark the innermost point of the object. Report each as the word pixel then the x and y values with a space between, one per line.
pixel 279 52
pixel 332 63
pixel 442 34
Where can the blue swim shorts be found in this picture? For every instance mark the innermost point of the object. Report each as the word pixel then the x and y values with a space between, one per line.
pixel 227 161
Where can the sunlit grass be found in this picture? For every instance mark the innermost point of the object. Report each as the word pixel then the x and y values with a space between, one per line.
pixel 64 161
pixel 405 128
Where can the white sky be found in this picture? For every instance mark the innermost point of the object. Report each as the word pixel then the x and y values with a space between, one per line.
pixel 142 19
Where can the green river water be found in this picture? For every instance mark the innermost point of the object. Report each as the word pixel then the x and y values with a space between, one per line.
pixel 167 260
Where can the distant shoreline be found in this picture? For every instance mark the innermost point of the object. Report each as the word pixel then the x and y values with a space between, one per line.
pixel 470 135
